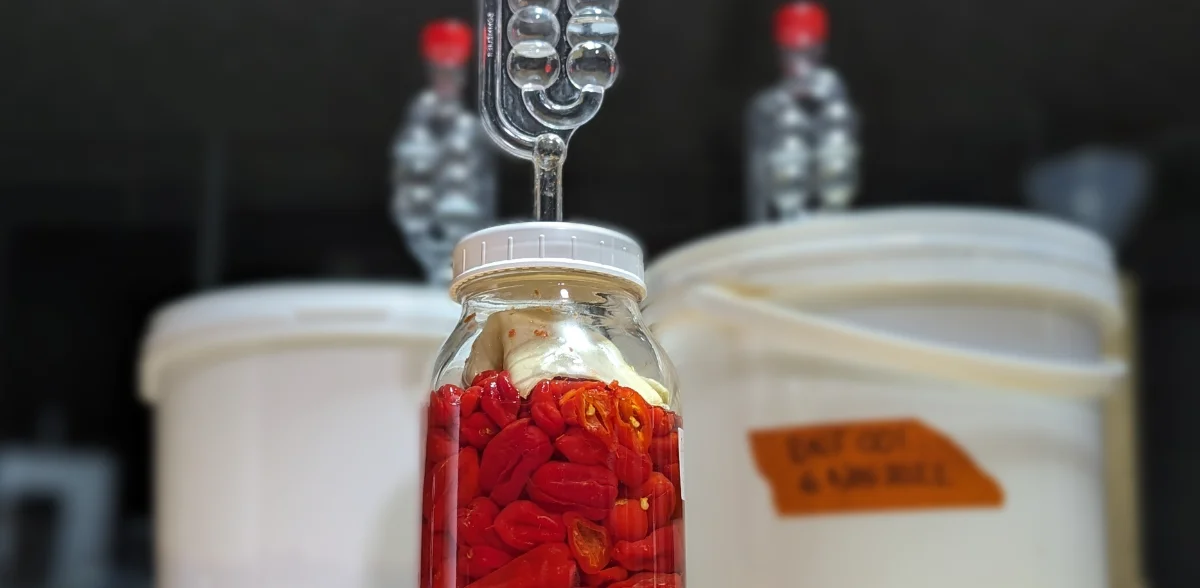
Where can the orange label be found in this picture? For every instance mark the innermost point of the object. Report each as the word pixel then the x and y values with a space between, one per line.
pixel 869 466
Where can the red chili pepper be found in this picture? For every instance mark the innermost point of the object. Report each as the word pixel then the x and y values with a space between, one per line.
pixel 664 421
pixel 468 475
pixel 433 553
pixel 655 553
pixel 427 494
pixel 446 577
pixel 475 523
pixel 605 577
pixel 439 445
pixel 560 386
pixel 546 566
pixel 500 400
pixel 545 399
pixel 484 375
pixel 665 450
pixel 477 562
pixel 523 525
pixel 478 430
pixel 628 520
pixel 443 513
pixel 635 420
pixel 562 487
pixel 440 497
pixel 470 401
pixel 631 467
pixel 444 406
pixel 591 408
pixel 438 562
pixel 651 580
pixel 588 542
pixel 548 417
pixel 510 458
pixel 583 448
pixel 458 474
pixel 543 407
pixel 672 473
pixel 660 493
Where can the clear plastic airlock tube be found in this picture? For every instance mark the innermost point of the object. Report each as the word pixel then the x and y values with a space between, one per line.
pixel 546 65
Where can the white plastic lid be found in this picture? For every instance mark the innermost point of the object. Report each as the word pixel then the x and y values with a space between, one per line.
pixel 880 251
pixel 542 245
pixel 264 316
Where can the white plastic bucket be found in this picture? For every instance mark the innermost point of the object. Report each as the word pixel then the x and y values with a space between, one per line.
pixel 288 434
pixel 984 327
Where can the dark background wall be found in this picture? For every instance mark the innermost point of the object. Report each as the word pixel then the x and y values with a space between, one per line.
pixel 148 149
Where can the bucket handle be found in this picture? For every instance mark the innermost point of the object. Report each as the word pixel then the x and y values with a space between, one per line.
pixel 834 340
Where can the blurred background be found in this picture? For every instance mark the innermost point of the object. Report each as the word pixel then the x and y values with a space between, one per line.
pixel 149 150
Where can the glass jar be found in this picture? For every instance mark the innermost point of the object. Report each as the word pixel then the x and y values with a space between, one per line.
pixel 553 435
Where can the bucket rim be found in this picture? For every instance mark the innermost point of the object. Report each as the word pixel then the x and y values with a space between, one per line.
pixel 290 313
pixel 1040 254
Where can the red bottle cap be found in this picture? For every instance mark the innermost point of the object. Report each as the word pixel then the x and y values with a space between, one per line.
pixel 801 25
pixel 446 43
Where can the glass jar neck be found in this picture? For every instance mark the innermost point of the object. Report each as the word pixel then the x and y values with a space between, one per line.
pixel 530 288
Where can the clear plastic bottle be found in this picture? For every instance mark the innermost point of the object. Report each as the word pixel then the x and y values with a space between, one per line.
pixel 553 435
pixel 1105 189
pixel 443 164
pixel 802 147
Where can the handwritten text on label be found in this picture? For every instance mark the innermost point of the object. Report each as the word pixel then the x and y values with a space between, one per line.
pixel 866 466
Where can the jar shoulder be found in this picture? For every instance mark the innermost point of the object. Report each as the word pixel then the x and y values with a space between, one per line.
pixel 561 340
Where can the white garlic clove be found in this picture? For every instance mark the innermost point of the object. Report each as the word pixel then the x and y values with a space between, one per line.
pixel 541 343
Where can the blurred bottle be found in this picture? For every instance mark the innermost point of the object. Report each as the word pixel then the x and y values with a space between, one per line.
pixel 1101 188
pixel 443 168
pixel 802 147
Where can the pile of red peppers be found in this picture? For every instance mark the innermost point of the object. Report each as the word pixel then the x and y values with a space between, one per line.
pixel 576 485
